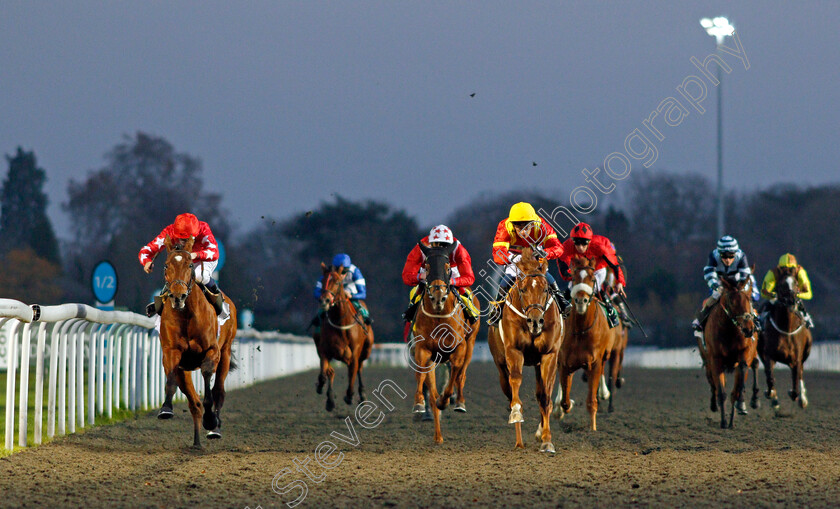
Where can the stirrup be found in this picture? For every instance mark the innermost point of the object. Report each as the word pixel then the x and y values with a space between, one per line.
pixel 216 300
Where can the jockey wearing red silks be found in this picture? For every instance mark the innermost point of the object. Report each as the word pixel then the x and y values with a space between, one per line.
pixel 205 252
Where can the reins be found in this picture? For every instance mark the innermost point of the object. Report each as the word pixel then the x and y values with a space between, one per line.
pixel 339 297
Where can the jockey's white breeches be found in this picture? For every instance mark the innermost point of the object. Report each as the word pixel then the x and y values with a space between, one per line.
pixel 204 271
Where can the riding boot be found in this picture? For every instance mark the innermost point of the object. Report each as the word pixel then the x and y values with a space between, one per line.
pixel 363 311
pixel 700 321
pixel 809 322
pixel 410 312
pixel 612 314
pixel 214 295
pixel 496 311
pixel 560 298
pixel 155 307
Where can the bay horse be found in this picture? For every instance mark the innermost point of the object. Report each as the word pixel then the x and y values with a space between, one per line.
pixel 588 340
pixel 191 338
pixel 728 343
pixel 343 336
pixel 615 356
pixel 529 333
pixel 785 338
pixel 441 334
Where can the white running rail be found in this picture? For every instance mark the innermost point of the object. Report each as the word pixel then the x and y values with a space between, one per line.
pixel 115 357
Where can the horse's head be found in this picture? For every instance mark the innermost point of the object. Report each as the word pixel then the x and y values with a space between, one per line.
pixel 736 303
pixel 178 271
pixel 332 285
pixel 438 273
pixel 787 286
pixel 532 287
pixel 583 283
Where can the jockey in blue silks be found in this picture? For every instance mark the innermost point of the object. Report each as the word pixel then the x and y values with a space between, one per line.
pixel 354 286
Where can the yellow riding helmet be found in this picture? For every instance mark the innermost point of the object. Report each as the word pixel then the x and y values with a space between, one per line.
pixel 787 260
pixel 522 212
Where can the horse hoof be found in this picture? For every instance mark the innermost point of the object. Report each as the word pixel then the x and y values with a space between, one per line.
pixel 460 407
pixel 442 403
pixel 547 447
pixel 419 408
pixel 362 396
pixel 348 400
pixel 452 399
pixel 165 413
pixel 741 407
pixel 212 435
pixel 330 405
pixel 803 402
pixel 515 415
pixel 427 416
pixel 755 403
pixel 319 389
pixel 619 382
pixel 793 395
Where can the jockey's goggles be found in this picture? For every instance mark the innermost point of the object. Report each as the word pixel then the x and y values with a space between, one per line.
pixel 727 256
pixel 580 242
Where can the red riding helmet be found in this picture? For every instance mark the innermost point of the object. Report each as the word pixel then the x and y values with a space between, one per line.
pixel 185 226
pixel 582 231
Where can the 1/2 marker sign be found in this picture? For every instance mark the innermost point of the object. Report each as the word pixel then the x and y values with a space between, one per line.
pixel 104 281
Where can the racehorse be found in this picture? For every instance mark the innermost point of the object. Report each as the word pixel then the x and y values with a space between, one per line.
pixel 529 334
pixel 785 338
pixel 615 356
pixel 728 342
pixel 343 336
pixel 191 338
pixel 441 334
pixel 587 342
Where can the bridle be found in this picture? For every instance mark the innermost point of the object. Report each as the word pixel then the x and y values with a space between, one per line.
pixel 337 297
pixel 186 284
pixel 734 319
pixel 541 307
pixel 788 300
pixel 586 287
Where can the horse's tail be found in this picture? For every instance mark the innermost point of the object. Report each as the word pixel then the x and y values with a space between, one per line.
pixel 233 364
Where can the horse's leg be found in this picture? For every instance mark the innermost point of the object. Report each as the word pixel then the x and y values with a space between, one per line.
pixel 208 368
pixel 754 401
pixel 720 387
pixel 739 389
pixel 219 390
pixel 185 383
pixel 546 373
pixel 322 374
pixel 421 358
pixel 796 376
pixel 352 371
pixel 771 383
pixel 330 374
pixel 803 396
pixel 619 380
pixel 614 365
pixel 565 389
pixel 713 405
pixel 454 373
pixel 171 358
pixel 515 361
pixel 431 384
pixel 362 395
pixel 594 374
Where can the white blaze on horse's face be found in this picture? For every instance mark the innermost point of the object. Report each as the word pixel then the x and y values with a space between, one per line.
pixel 178 258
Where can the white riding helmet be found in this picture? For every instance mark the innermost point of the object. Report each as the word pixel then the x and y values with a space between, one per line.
pixel 441 233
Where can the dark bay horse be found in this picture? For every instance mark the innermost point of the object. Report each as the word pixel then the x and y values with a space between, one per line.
pixel 729 343
pixel 785 338
pixel 588 340
pixel 529 334
pixel 190 338
pixel 343 336
pixel 441 334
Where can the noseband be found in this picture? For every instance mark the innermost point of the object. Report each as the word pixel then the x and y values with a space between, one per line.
pixel 734 319
pixel 542 307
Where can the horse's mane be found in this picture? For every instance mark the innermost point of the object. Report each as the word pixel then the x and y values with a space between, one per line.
pixel 527 262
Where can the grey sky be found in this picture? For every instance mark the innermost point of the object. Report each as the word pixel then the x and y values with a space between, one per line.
pixel 287 102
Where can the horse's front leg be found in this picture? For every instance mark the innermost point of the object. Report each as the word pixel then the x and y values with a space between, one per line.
pixel 771 383
pixel 797 392
pixel 184 379
pixel 171 359
pixel 595 372
pixel 352 371
pixel 515 361
pixel 546 373
pixel 208 368
pixel 754 401
pixel 565 404
pixel 737 395
pixel 720 387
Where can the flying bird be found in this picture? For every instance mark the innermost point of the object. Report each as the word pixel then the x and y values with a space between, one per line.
pixel 472 95
pixel 533 163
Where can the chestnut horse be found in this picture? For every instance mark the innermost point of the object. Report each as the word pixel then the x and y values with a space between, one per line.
pixel 441 334
pixel 190 338
pixel 588 340
pixel 785 338
pixel 529 334
pixel 343 336
pixel 729 343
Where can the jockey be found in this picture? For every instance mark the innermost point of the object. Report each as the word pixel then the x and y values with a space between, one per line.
pixel 584 243
pixel 462 276
pixel 769 286
pixel 524 228
pixel 354 287
pixel 725 261
pixel 205 256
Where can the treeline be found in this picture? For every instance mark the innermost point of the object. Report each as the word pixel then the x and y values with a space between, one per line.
pixel 661 223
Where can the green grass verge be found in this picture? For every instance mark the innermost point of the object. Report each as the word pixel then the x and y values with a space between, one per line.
pixel 118 414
